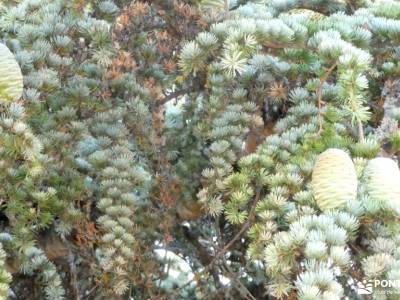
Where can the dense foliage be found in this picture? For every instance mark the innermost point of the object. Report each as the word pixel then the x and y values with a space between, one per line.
pixel 199 149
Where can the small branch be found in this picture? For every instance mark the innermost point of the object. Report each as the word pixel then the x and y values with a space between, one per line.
pixel 226 7
pixel 220 253
pixel 241 287
pixel 173 95
pixel 319 94
pixel 204 257
pixel 245 226
pixel 360 131
pixel 178 94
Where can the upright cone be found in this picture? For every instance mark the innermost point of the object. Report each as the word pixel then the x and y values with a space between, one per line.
pixel 383 179
pixel 11 81
pixel 334 179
